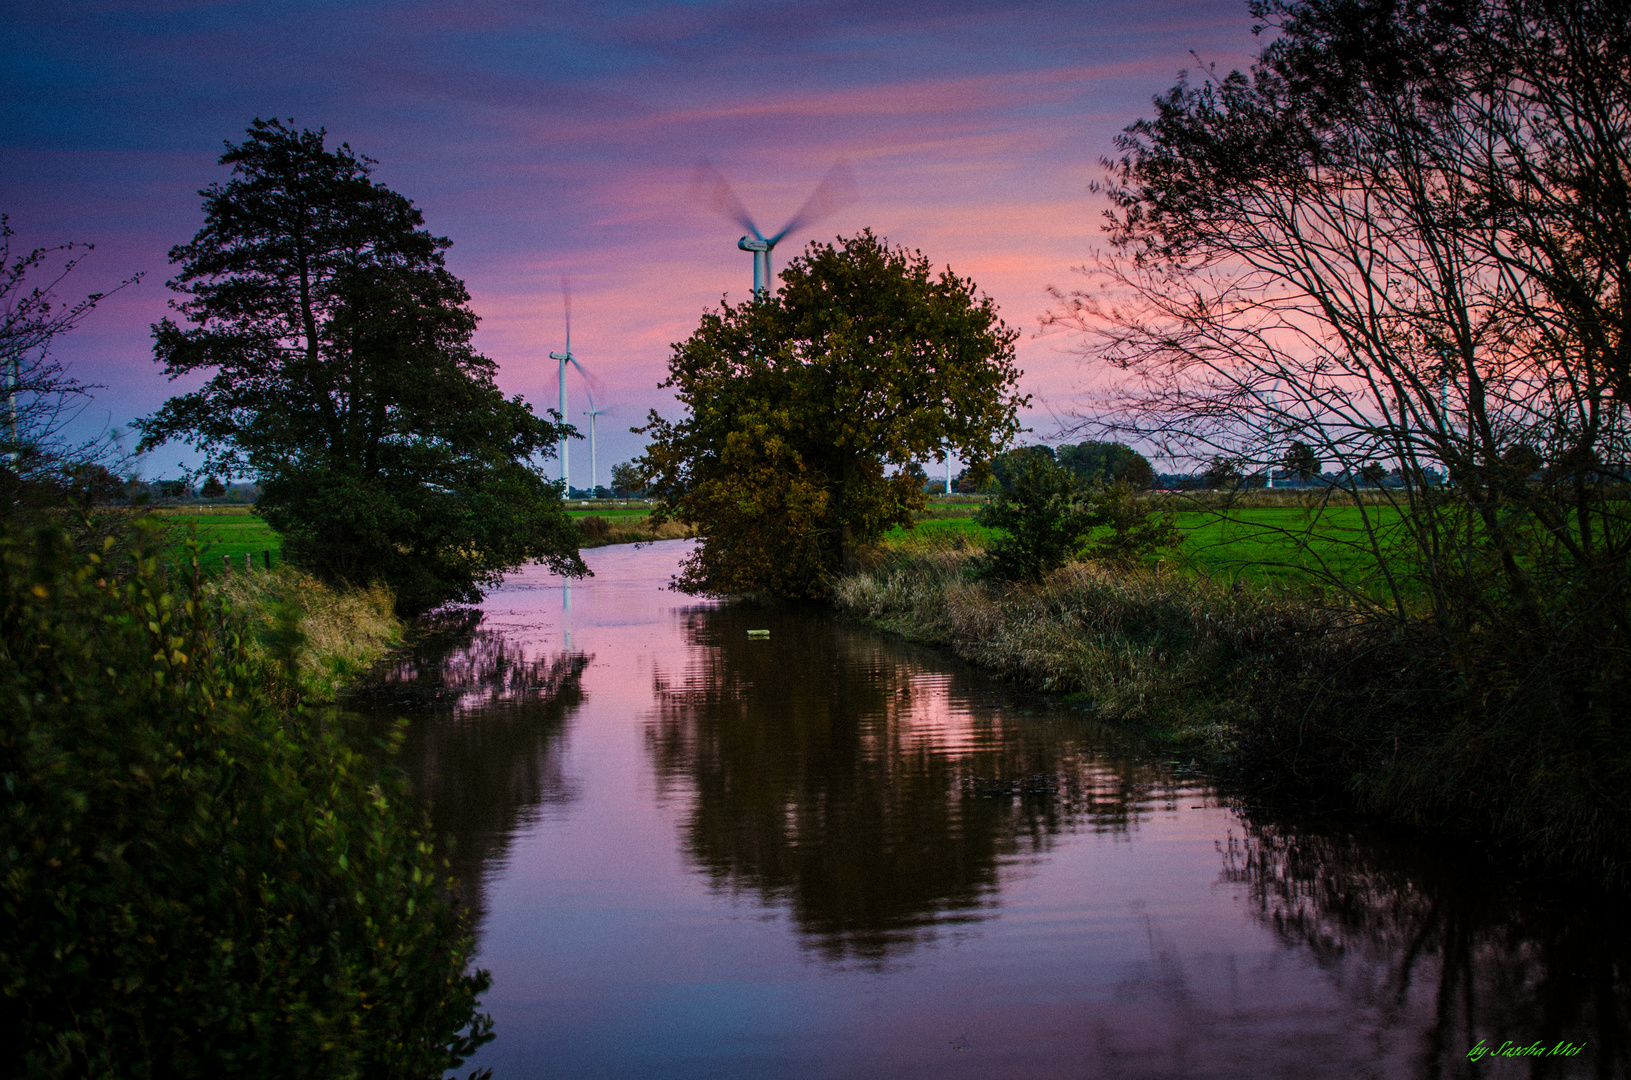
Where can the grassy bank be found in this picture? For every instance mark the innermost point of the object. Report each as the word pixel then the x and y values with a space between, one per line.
pixel 1292 694
pixel 329 637
pixel 603 528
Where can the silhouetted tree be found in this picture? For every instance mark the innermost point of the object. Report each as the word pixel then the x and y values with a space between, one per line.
pixel 345 383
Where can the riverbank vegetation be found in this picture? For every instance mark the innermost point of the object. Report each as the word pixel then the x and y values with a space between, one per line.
pixel 207 871
pixel 1288 692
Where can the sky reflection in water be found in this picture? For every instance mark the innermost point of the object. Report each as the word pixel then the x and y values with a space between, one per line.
pixel 826 854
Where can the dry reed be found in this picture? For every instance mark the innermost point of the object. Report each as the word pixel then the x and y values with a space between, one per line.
pixel 341 633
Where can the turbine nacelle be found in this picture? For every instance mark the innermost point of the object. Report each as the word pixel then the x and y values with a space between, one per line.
pixel 835 189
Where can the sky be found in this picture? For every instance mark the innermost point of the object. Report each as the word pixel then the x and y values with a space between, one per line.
pixel 552 140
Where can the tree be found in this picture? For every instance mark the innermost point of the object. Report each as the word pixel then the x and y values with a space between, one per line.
pixel 1300 461
pixel 1007 466
pixel 1045 518
pixel 212 488
pixel 345 382
pixel 1222 473
pixel 799 401
pixel 1403 236
pixel 38 462
pixel 1048 516
pixel 1107 461
pixel 626 482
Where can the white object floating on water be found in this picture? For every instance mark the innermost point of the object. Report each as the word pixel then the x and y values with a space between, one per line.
pixel 758 633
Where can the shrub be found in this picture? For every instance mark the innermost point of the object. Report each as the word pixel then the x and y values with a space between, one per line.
pixel 196 881
pixel 1048 517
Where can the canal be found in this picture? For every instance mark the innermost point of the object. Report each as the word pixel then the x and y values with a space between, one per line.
pixel 692 851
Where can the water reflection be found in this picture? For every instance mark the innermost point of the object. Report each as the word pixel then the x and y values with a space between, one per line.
pixel 481 747
pixel 879 799
pixel 1398 921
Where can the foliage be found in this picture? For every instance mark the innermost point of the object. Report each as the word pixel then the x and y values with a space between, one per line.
pixel 345 382
pixel 1300 461
pixel 800 402
pixel 1007 466
pixel 212 488
pixel 627 482
pixel 1047 516
pixel 1089 462
pixel 1110 462
pixel 199 882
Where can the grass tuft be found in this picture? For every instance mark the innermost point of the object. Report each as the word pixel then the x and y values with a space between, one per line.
pixel 333 637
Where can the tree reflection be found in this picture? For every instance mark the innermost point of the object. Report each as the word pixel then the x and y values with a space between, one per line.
pixel 485 723
pixel 877 799
pixel 1499 962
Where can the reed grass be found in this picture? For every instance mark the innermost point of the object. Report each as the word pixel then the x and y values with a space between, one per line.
pixel 333 636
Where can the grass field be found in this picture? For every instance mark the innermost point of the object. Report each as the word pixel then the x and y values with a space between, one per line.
pixel 1261 544
pixel 1280 545
pixel 233 532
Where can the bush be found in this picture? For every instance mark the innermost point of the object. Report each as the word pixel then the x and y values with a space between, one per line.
pixel 1049 516
pixel 1044 513
pixel 198 882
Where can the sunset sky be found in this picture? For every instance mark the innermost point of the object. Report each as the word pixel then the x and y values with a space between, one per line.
pixel 550 138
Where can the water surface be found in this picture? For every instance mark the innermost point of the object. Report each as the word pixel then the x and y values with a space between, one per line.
pixel 692 853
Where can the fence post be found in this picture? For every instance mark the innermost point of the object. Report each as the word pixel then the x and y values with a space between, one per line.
pixel 226 563
pixel 268 555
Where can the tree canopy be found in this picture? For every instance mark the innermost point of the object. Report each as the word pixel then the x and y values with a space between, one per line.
pixel 801 402
pixel 345 382
pixel 1089 462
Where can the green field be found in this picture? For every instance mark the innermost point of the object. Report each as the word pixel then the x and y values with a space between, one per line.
pixel 231 532
pixel 1281 545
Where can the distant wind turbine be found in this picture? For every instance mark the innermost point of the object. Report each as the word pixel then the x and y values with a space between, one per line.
pixel 566 358
pixel 835 189
pixel 591 414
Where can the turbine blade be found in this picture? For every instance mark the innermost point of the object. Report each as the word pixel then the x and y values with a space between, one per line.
pixel 566 302
pixel 708 187
pixel 835 190
pixel 589 381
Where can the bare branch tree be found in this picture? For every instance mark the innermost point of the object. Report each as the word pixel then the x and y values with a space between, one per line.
pixel 40 397
pixel 1403 239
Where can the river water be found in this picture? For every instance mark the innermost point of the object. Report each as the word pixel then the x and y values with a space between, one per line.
pixel 694 853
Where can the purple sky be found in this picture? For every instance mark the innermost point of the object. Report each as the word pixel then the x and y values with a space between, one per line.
pixel 549 139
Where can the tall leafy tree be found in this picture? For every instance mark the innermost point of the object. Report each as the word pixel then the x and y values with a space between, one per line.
pixel 345 382
pixel 802 401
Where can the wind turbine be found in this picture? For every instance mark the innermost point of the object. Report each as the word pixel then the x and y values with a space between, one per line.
pixel 566 358
pixel 835 189
pixel 591 413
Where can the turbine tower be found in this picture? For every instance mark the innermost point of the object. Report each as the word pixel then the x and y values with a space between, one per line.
pixel 591 414
pixel 835 189
pixel 566 358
